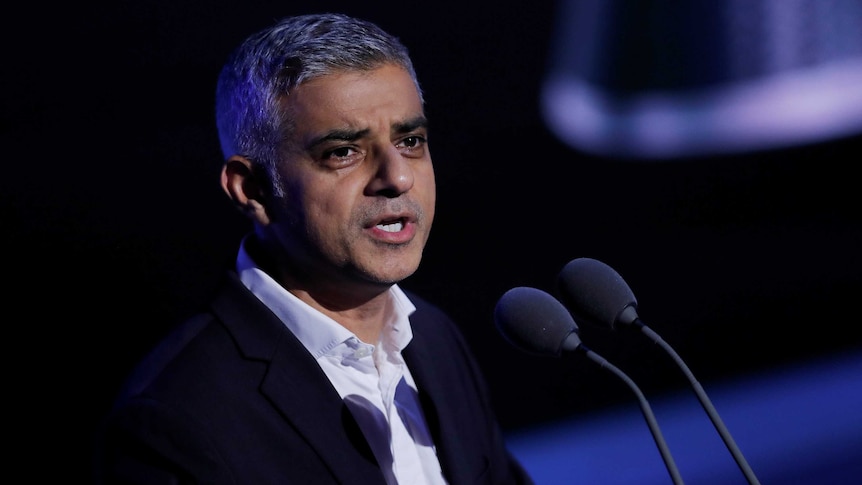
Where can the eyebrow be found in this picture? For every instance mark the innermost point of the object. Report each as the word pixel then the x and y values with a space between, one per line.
pixel 337 135
pixel 351 135
pixel 410 125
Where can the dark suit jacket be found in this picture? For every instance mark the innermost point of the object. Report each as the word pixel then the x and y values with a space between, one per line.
pixel 232 397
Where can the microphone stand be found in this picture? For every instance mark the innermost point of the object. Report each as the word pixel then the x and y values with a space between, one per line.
pixel 705 402
pixel 645 408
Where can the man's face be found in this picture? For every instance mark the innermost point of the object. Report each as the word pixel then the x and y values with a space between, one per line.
pixel 358 182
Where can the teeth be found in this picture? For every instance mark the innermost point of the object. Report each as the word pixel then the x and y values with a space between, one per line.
pixel 394 227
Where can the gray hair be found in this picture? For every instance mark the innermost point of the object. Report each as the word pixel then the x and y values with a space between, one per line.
pixel 270 63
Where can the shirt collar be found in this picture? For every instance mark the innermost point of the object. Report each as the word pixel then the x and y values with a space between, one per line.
pixel 317 332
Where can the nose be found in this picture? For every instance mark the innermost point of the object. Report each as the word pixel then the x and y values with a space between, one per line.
pixel 394 174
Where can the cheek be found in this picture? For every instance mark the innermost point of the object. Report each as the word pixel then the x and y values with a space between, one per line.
pixel 329 212
pixel 429 193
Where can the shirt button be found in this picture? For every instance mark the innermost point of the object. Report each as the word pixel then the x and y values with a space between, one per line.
pixel 361 352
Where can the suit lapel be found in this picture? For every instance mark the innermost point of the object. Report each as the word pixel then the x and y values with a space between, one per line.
pixel 296 385
pixel 435 398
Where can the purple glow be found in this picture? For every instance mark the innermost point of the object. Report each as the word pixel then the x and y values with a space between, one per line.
pixel 795 425
pixel 662 80
pixel 786 109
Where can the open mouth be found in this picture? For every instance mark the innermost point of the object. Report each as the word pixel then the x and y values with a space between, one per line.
pixel 391 226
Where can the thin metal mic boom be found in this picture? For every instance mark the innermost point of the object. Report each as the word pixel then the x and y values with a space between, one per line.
pixel 537 323
pixel 705 402
pixel 594 292
pixel 649 416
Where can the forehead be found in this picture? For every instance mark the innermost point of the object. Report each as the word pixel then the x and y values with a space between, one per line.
pixel 354 98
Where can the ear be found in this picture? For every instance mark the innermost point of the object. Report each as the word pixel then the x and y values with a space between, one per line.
pixel 244 186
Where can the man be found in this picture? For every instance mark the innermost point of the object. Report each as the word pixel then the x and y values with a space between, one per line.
pixel 311 365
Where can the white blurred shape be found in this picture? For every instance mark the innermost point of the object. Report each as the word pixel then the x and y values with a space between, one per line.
pixel 662 82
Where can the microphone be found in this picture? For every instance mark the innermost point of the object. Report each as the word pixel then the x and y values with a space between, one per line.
pixel 535 322
pixel 595 293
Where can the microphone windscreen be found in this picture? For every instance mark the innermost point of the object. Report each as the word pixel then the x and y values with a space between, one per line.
pixel 595 293
pixel 535 322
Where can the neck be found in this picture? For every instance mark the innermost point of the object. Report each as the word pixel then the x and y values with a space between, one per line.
pixel 360 307
pixel 365 319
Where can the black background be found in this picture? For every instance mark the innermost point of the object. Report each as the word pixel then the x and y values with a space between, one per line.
pixel 117 226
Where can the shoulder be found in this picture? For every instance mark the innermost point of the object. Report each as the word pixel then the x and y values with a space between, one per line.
pixel 166 351
pixel 223 336
pixel 425 309
pixel 430 318
pixel 435 328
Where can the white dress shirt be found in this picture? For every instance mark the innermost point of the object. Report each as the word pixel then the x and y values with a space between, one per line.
pixel 373 380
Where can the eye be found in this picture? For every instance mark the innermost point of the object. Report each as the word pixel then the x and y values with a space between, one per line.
pixel 413 144
pixel 340 156
pixel 412 141
pixel 340 152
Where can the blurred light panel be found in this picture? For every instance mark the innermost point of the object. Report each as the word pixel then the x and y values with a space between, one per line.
pixel 655 79
pixel 799 425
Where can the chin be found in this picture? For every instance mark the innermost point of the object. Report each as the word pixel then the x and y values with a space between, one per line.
pixel 393 274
